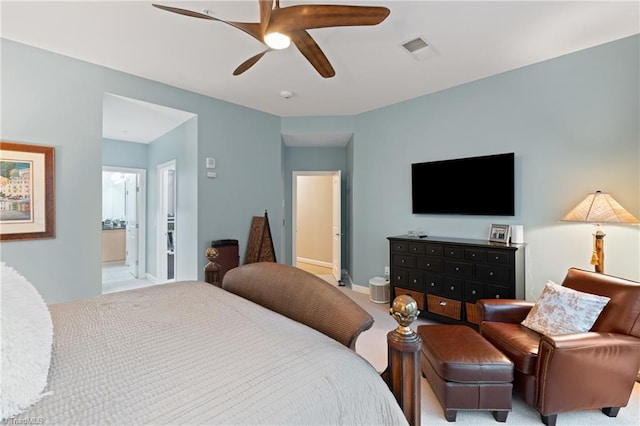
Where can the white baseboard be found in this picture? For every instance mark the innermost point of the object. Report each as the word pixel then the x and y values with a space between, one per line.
pixel 314 262
pixel 360 288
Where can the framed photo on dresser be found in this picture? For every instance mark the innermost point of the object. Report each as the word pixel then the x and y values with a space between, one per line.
pixel 499 233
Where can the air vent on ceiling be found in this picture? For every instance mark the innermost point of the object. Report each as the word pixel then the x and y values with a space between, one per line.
pixel 415 44
pixel 418 48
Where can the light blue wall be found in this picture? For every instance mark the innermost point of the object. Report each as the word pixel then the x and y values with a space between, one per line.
pixel 306 159
pixel 180 144
pixel 54 100
pixel 573 125
pixel 124 154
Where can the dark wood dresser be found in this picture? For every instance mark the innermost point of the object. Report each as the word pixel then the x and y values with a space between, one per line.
pixel 446 276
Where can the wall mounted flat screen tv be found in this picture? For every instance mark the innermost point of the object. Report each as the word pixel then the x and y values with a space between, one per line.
pixel 466 186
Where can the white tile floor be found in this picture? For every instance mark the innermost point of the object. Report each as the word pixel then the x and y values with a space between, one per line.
pixel 116 277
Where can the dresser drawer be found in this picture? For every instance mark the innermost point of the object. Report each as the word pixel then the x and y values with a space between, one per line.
pixel 433 250
pixel 497 292
pixel 433 283
pixel 473 291
pixel 417 296
pixel 399 247
pixel 459 269
pixel 501 257
pixel 416 248
pixel 415 280
pixel 472 313
pixel 430 264
pixel 454 252
pixel 404 261
pixel 494 273
pixel 475 255
pixel 443 306
pixel 452 288
pixel 399 277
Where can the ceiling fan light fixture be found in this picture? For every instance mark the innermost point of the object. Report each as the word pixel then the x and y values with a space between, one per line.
pixel 277 40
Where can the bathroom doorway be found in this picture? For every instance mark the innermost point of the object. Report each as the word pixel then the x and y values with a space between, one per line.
pixel 123 226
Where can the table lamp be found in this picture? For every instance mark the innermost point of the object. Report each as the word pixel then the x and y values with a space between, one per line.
pixel 599 207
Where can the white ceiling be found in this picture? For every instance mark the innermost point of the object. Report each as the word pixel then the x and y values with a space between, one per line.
pixel 468 41
pixel 131 120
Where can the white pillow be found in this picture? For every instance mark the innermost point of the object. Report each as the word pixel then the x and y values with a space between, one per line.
pixel 562 310
pixel 27 334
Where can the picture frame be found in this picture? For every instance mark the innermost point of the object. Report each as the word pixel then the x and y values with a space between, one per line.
pixel 27 199
pixel 499 233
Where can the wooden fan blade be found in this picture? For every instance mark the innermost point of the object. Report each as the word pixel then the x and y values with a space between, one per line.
pixel 251 28
pixel 304 17
pixel 310 49
pixel 266 6
pixel 249 63
pixel 185 12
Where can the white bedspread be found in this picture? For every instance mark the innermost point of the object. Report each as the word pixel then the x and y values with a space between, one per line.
pixel 191 353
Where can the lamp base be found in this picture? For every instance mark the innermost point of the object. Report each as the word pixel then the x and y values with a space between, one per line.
pixel 598 251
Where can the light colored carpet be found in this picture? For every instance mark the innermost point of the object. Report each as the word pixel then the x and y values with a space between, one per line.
pixel 372 345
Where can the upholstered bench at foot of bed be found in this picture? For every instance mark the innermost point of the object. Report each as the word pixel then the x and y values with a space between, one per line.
pixel 465 371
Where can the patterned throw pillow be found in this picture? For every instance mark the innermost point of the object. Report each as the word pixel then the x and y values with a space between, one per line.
pixel 562 310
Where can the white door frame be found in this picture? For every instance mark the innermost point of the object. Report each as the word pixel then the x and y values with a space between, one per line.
pixel 336 213
pixel 161 220
pixel 141 210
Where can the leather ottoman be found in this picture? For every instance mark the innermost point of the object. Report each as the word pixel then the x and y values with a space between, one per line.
pixel 465 371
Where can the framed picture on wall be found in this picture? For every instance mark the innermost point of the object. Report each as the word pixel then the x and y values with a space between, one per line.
pixel 499 233
pixel 27 202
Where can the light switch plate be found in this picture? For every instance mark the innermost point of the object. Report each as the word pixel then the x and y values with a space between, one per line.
pixel 211 163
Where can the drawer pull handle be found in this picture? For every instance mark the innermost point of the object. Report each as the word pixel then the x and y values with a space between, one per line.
pixel 428 264
pixel 452 252
pixel 457 268
pixel 497 257
pixel 415 281
pixel 433 284
pixel 402 261
pixel 452 288
pixel 491 273
pixel 497 296
pixel 473 255
pixel 473 292
pixel 398 278
pixel 443 303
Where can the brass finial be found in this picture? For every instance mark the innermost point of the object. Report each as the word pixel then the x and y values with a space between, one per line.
pixel 405 310
pixel 212 253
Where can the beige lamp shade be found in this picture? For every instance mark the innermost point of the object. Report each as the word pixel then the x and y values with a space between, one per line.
pixel 599 207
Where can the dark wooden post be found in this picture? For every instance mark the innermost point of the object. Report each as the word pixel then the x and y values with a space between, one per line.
pixel 212 269
pixel 403 371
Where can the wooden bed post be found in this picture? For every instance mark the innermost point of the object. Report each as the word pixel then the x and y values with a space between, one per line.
pixel 403 371
pixel 212 269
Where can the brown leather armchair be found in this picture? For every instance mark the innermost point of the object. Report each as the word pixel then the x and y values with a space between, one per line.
pixel 572 372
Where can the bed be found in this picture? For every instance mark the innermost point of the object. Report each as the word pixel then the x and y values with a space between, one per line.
pixel 273 346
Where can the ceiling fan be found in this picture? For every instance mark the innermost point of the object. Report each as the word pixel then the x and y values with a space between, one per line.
pixel 279 26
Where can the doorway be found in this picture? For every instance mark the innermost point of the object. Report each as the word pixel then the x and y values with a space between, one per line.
pixel 123 226
pixel 316 223
pixel 167 230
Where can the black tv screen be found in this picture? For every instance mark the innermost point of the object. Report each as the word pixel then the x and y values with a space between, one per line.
pixel 467 186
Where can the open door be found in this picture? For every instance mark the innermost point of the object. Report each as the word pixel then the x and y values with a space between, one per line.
pixel 131 224
pixel 336 255
pixel 167 229
pixel 316 222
